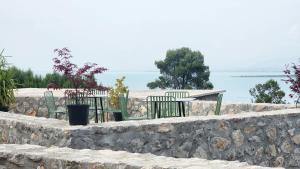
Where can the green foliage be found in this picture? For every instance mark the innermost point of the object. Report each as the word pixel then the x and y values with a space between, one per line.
pixel 58 79
pixel 292 73
pixel 268 92
pixel 27 79
pixel 115 92
pixel 7 84
pixel 182 69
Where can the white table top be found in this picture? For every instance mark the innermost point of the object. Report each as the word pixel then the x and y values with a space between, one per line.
pixel 184 99
pixel 207 93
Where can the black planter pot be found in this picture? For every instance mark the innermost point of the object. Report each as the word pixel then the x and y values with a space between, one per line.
pixel 118 116
pixel 5 109
pixel 78 114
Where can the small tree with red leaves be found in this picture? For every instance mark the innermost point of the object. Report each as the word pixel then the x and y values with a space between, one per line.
pixel 81 78
pixel 293 78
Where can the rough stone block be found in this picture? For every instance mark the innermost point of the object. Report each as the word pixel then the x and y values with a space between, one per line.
pixel 36 157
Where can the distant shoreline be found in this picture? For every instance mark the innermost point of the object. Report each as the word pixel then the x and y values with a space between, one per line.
pixel 249 76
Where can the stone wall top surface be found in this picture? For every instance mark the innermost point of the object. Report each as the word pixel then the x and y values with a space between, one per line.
pixel 39 92
pixel 176 120
pixel 62 124
pixel 35 155
pixel 34 121
pixel 139 94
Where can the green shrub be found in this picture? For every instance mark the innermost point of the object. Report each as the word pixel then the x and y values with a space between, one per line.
pixel 268 92
pixel 7 84
pixel 115 92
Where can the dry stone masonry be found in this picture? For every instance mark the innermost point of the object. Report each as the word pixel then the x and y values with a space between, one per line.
pixel 266 138
pixel 36 106
pixel 36 157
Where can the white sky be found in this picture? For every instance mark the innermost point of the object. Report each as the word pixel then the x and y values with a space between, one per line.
pixel 129 35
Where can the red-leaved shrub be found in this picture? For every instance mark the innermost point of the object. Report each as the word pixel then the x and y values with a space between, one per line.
pixel 82 78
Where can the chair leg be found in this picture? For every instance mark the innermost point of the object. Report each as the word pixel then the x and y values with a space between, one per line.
pixel 183 109
pixel 155 110
pixel 179 108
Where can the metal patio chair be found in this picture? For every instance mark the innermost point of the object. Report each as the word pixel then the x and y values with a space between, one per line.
pixel 180 94
pixel 161 107
pixel 53 110
pixel 219 103
pixel 123 105
pixel 123 102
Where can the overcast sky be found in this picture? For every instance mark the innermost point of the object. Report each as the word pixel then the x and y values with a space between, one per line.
pixel 129 35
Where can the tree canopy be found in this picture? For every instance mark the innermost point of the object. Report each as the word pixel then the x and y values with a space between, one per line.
pixel 268 92
pixel 27 79
pixel 182 69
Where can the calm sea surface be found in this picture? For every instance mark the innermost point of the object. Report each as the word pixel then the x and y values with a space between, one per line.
pixel 236 84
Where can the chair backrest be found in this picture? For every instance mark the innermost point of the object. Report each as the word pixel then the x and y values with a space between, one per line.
pixel 178 94
pixel 69 99
pixel 165 105
pixel 123 102
pixel 98 92
pixel 219 103
pixel 91 101
pixel 50 102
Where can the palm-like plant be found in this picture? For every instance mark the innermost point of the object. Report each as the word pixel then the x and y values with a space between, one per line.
pixel 7 84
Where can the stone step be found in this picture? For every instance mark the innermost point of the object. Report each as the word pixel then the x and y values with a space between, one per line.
pixel 16 156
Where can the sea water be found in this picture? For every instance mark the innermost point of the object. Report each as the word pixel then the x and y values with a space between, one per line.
pixel 236 84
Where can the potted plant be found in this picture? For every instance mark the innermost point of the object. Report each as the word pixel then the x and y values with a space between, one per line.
pixel 7 84
pixel 115 93
pixel 82 81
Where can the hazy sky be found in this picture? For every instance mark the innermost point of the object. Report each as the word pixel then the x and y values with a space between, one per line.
pixel 129 35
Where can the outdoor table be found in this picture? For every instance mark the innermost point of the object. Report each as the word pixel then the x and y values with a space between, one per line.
pixel 181 106
pixel 208 95
pixel 180 102
pixel 95 98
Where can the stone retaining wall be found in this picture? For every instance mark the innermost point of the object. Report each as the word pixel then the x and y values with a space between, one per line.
pixel 21 129
pixel 36 106
pixel 14 156
pixel 266 139
pixel 203 108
